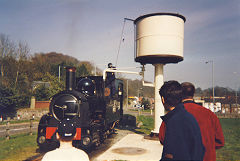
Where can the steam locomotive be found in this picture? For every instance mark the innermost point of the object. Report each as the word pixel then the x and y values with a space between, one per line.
pixel 95 104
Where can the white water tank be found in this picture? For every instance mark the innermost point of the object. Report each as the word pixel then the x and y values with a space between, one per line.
pixel 159 38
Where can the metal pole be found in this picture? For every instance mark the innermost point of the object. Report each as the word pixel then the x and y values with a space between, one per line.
pixel 95 70
pixel 59 73
pixel 213 83
pixel 236 91
pixel 236 98
pixel 159 109
pixel 213 93
pixel 127 94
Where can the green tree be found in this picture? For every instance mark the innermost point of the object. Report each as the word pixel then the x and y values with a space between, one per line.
pixel 82 71
pixel 55 85
pixel 5 96
pixel 42 93
pixel 12 99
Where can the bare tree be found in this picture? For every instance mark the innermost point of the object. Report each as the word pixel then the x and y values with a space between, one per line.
pixel 6 50
pixel 22 54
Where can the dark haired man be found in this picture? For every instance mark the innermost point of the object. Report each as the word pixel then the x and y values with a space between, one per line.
pixel 182 136
pixel 110 80
pixel 66 152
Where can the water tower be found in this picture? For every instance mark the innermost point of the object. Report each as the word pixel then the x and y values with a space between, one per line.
pixel 158 41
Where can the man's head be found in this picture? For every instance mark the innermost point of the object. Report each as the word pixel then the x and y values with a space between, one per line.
pixel 171 94
pixel 188 90
pixel 110 65
pixel 66 129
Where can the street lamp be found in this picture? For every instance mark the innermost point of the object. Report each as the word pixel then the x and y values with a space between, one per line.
pixel 59 72
pixel 127 93
pixel 211 61
pixel 236 90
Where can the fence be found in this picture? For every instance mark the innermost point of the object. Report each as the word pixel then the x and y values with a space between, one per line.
pixel 10 127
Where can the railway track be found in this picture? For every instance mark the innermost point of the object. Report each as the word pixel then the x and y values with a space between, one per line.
pixel 36 157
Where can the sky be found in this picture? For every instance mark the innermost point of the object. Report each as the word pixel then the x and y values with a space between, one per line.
pixel 90 30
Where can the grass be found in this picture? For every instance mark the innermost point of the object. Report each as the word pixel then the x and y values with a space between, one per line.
pixel 148 124
pixel 231 131
pixel 147 110
pixel 16 121
pixel 19 147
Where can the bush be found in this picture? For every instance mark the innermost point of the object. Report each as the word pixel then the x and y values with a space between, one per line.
pixel 6 96
pixel 10 99
pixel 42 93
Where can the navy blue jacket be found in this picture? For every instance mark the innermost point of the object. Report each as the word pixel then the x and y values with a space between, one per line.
pixel 183 139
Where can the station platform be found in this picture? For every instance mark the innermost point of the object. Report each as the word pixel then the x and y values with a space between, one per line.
pixel 133 147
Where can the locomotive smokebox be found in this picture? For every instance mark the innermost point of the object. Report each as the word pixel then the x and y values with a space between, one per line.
pixel 70 78
pixel 159 38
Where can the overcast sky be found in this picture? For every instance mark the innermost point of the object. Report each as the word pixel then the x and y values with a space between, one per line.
pixel 91 30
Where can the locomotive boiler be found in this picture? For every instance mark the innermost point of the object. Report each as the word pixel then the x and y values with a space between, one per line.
pixel 95 104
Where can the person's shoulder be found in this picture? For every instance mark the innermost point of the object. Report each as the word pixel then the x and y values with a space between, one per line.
pixel 207 111
pixel 80 152
pixel 49 155
pixel 183 114
pixel 187 116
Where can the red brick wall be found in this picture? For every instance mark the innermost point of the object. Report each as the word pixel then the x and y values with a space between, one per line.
pixel 42 104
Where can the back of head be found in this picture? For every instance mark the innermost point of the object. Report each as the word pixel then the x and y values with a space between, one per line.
pixel 171 91
pixel 110 65
pixel 188 90
pixel 66 129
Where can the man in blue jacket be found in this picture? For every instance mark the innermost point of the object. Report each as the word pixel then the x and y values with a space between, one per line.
pixel 183 139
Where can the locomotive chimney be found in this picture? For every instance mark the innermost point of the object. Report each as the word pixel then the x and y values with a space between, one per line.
pixel 70 78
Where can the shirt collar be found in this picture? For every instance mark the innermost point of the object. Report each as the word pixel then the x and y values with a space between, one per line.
pixel 188 101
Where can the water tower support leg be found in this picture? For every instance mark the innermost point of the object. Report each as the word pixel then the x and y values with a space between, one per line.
pixel 159 109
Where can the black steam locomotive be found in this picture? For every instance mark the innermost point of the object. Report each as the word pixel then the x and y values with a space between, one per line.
pixel 95 104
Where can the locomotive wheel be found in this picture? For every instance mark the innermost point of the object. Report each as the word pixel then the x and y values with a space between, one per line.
pixel 45 145
pixel 41 139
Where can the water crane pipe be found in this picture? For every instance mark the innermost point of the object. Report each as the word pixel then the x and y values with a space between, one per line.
pixel 117 71
pixel 143 82
pixel 128 72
